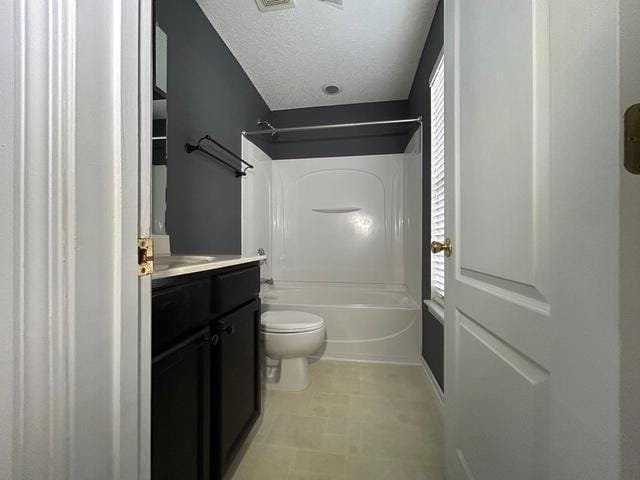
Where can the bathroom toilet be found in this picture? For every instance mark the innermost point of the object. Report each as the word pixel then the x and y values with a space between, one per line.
pixel 289 339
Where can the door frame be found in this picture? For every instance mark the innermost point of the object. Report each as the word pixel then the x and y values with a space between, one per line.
pixel 629 253
pixel 145 99
pixel 75 348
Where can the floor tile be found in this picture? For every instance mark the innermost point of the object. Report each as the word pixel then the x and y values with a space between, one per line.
pixel 265 462
pixel 363 468
pixel 296 403
pixel 323 404
pixel 297 431
pixel 419 471
pixel 329 464
pixel 334 443
pixel 337 424
pixel 355 421
pixel 392 441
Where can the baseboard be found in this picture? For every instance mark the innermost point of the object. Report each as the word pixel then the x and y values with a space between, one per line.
pixel 434 383
pixel 366 359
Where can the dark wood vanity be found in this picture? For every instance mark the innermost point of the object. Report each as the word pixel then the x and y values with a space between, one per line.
pixel 206 371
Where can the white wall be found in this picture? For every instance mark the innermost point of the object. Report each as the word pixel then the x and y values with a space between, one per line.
pixel 256 205
pixel 413 216
pixel 339 219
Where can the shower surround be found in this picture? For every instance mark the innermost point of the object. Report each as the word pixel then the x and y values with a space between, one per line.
pixel 343 239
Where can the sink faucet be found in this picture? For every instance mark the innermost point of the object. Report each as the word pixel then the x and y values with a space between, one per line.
pixel 262 252
pixel 268 281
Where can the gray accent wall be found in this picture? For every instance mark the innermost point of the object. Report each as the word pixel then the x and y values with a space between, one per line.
pixel 419 104
pixel 334 143
pixel 208 92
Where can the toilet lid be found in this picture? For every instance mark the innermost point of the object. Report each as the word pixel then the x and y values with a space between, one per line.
pixel 290 322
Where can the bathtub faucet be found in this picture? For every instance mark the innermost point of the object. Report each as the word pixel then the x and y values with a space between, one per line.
pixel 268 281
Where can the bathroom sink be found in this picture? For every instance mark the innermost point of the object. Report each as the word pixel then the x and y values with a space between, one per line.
pixel 165 262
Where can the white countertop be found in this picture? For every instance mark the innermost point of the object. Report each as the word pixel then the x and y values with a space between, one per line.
pixel 165 267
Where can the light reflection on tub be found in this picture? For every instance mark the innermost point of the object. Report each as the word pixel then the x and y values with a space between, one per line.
pixel 362 322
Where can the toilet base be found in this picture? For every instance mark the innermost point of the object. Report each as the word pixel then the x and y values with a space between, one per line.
pixel 293 375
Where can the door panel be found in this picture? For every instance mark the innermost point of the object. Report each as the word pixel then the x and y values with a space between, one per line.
pixel 498 314
pixel 527 327
pixel 502 108
pixel 502 406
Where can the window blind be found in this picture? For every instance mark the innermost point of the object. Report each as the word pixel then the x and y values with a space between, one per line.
pixel 437 179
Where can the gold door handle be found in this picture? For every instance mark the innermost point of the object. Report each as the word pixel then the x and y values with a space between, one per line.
pixel 446 247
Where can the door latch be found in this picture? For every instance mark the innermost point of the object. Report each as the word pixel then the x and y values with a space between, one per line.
pixel 145 256
pixel 446 247
pixel 632 139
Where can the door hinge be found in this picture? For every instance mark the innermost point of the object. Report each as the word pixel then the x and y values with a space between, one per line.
pixel 632 139
pixel 145 256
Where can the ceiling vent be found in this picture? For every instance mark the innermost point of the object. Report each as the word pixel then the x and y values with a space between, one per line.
pixel 272 5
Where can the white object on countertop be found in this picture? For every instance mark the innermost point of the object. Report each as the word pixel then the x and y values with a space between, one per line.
pixel 161 245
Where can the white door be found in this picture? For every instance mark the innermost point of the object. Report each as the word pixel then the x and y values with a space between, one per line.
pixel 533 130
pixel 74 328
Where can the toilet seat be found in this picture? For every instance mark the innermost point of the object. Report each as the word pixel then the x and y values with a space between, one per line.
pixel 290 322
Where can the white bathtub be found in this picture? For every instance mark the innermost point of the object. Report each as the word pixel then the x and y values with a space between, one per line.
pixel 364 323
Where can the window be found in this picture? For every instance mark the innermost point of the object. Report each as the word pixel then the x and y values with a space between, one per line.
pixel 437 178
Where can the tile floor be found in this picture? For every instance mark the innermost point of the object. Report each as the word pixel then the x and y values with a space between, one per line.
pixel 355 421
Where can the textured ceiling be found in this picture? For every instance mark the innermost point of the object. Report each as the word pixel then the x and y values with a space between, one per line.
pixel 371 48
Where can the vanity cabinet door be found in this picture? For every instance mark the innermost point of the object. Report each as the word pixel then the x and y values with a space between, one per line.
pixel 237 375
pixel 180 411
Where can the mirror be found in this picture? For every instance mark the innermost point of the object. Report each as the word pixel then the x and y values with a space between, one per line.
pixel 159 135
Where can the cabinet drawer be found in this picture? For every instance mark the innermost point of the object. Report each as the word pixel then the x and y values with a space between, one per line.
pixel 232 289
pixel 178 312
